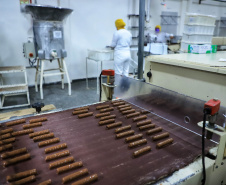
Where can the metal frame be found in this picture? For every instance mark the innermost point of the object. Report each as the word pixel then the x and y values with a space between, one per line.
pixel 215 169
pixel 169 22
pixel 221 151
pixel 14 106
pixel 222 23
pixel 101 67
pixel 63 71
pixel 3 95
pixel 107 92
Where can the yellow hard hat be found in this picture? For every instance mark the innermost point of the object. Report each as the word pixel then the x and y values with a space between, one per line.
pixel 120 24
pixel 158 27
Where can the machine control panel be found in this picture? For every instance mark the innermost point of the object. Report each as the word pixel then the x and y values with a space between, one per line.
pixel 29 50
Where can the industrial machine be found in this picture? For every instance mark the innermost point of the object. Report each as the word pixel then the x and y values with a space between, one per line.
pixel 48 30
pixel 98 149
pixel 185 112
pixel 48 43
pixel 201 76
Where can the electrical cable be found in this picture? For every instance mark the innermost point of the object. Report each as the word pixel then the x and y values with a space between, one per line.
pixel 32 62
pixel 206 111
pixel 203 149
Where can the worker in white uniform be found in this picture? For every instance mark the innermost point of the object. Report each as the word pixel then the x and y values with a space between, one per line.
pixel 121 43
pixel 162 37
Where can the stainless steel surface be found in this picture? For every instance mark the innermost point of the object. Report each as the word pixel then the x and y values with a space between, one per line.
pixel 141 39
pixel 48 13
pixel 48 30
pixel 46 41
pixel 177 108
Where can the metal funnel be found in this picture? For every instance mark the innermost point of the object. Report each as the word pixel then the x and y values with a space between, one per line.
pixel 47 13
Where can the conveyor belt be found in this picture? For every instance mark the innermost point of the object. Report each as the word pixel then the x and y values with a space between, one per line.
pixel 104 155
pixel 178 108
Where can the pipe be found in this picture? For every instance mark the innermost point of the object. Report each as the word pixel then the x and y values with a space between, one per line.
pixel 58 3
pixel 148 10
pixel 141 39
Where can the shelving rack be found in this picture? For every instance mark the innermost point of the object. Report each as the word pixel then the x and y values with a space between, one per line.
pixel 13 89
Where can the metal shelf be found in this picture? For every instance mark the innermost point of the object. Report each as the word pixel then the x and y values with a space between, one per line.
pixel 137 27
pixel 14 85
pixel 134 15
pixel 169 18
pixel 12 69
pixel 222 23
pixel 13 89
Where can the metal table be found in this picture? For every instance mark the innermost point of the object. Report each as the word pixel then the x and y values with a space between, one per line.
pixel 98 56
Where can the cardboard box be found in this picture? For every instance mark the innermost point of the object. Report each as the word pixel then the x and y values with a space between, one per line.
pixel 202 48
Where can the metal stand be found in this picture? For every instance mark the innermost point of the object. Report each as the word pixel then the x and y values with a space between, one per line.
pixel 219 167
pixel 101 67
pixel 63 71
pixel 107 92
pixel 14 89
pixel 221 151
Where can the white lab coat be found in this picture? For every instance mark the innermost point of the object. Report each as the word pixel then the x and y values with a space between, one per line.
pixel 121 43
pixel 162 37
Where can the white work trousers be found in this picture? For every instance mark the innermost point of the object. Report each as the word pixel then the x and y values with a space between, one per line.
pixel 122 60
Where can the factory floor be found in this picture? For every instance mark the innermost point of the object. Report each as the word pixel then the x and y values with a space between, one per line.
pixel 54 94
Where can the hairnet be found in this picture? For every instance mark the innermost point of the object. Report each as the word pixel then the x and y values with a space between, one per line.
pixel 120 24
pixel 159 27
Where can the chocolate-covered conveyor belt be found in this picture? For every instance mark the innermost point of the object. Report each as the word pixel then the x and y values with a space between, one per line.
pixel 95 146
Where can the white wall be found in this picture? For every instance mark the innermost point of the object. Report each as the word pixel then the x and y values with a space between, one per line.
pixel 91 25
pixel 13 32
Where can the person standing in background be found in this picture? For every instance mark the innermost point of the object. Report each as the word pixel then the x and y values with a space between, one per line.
pixel 162 37
pixel 121 43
